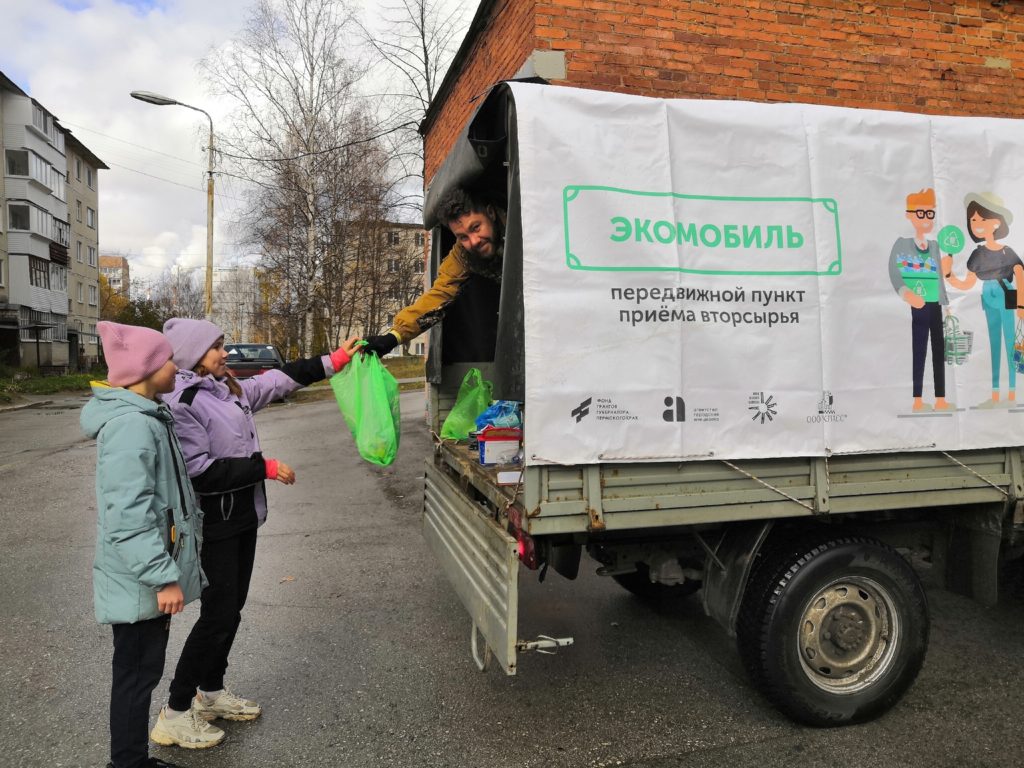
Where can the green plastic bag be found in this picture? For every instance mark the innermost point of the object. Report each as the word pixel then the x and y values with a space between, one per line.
pixel 367 395
pixel 473 398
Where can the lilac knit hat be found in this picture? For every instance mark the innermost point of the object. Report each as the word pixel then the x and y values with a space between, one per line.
pixel 132 353
pixel 191 339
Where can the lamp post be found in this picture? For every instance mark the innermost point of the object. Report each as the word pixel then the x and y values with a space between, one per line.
pixel 164 101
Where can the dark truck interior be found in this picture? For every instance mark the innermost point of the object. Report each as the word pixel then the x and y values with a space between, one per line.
pixel 485 324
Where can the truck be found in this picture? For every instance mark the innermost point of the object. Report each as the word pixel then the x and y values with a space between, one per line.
pixel 715 358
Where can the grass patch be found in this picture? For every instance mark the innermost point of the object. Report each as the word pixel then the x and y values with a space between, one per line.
pixel 15 383
pixel 406 366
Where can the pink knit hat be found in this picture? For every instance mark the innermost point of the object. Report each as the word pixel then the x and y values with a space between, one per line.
pixel 133 353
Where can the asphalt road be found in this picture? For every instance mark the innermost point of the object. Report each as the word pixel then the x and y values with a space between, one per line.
pixel 359 650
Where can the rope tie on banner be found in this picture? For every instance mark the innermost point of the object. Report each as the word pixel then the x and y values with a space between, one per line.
pixel 779 491
pixel 980 477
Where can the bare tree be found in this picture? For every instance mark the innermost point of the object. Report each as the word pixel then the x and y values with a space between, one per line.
pixel 417 41
pixel 297 120
pixel 175 293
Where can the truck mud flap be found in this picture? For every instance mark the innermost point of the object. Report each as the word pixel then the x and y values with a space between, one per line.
pixel 480 560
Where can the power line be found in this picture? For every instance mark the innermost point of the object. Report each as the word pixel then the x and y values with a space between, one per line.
pixel 125 141
pixel 176 183
pixel 319 151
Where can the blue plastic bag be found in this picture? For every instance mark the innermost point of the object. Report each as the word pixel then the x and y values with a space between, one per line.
pixel 500 413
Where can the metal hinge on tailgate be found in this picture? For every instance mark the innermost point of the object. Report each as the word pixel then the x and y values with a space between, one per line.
pixel 543 644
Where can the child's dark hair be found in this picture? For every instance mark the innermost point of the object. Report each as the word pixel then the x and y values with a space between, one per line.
pixel 977 208
pixel 459 202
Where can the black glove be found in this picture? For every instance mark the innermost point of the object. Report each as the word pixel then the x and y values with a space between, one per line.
pixel 379 345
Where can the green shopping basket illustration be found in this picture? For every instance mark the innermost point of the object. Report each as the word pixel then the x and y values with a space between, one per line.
pixel 958 343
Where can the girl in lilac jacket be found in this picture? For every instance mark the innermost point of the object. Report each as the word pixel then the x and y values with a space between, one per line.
pixel 213 418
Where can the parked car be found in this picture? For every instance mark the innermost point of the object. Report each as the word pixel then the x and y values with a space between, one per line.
pixel 245 360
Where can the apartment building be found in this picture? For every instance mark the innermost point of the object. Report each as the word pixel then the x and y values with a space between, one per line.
pixel 117 273
pixel 403 278
pixel 34 221
pixel 83 283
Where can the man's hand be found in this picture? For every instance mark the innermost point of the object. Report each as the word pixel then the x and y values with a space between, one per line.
pixel 170 599
pixel 380 345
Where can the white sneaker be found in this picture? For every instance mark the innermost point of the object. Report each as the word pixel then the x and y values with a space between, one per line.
pixel 188 730
pixel 226 706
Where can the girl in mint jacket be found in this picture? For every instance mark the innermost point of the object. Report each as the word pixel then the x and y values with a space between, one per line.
pixel 142 494
pixel 148 529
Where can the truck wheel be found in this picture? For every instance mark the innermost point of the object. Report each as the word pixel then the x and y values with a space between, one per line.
pixel 640 584
pixel 835 634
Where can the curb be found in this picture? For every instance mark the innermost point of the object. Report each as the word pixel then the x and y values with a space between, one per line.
pixel 23 406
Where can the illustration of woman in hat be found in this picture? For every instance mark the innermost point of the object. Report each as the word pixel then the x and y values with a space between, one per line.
pixel 1000 269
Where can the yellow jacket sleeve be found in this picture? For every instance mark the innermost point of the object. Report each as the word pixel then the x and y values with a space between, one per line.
pixel 429 308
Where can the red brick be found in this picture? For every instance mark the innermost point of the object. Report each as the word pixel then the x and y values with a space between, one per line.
pixel 924 55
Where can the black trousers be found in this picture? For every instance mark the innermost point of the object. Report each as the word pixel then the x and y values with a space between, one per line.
pixel 927 322
pixel 227 564
pixel 138 665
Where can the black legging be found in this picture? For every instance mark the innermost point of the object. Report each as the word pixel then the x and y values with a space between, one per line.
pixel 927 322
pixel 227 564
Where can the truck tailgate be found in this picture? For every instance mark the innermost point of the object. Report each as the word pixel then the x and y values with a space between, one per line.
pixel 480 560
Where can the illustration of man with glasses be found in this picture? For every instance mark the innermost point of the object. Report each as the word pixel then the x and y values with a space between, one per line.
pixel 914 268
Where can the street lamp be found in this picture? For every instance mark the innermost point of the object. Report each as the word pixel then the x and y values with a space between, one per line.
pixel 164 101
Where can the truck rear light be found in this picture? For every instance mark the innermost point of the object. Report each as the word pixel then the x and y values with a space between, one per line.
pixel 527 550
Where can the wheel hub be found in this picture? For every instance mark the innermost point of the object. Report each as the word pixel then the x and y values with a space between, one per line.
pixel 847 635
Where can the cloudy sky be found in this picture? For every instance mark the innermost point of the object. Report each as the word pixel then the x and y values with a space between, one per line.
pixel 81 58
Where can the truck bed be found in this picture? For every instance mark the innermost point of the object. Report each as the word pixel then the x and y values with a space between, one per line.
pixel 610 497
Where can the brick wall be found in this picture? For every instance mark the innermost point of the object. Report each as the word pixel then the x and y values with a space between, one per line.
pixel 956 58
pixel 497 54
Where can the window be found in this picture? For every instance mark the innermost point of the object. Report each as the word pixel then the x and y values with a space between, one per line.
pixel 395 294
pixel 38 272
pixel 17 162
pixel 18 216
pixel 60 231
pixel 39 118
pixel 394 265
pixel 78 209
pixel 58 278
pixel 92 295
pixel 78 293
pixel 58 185
pixel 88 177
pixel 1 273
pixel 78 168
pixel 78 251
pixel 393 238
pixel 90 217
pixel 92 256
pixel 421 238
pixel 420 266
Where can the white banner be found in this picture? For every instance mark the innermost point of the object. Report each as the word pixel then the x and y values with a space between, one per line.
pixel 713 279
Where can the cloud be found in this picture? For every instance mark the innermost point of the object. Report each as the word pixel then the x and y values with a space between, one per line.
pixel 80 59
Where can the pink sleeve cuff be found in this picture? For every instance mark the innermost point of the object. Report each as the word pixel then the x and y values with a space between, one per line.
pixel 339 359
pixel 271 465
